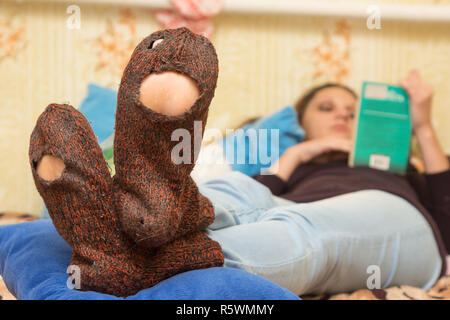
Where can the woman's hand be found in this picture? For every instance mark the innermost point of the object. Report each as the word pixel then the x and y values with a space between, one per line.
pixel 308 150
pixel 305 151
pixel 420 98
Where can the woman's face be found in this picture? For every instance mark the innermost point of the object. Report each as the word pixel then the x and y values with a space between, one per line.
pixel 330 113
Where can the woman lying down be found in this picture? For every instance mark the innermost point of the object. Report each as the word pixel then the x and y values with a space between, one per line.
pixel 314 226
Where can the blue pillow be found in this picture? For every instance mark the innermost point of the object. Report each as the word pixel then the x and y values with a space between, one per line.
pixel 256 145
pixel 99 107
pixel 34 259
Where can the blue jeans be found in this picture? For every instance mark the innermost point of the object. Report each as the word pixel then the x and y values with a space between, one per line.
pixel 364 239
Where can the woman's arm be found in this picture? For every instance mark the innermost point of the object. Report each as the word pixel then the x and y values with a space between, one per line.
pixel 436 164
pixel 278 174
pixel 433 156
pixel 420 96
pixel 305 151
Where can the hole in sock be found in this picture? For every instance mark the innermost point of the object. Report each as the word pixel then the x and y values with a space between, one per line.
pixel 155 43
pixel 50 167
pixel 170 93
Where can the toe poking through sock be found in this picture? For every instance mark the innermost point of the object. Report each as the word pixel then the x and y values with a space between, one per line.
pixel 50 167
pixel 170 93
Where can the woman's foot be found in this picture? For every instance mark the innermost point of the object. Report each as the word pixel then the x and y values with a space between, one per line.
pixel 71 175
pixel 50 167
pixel 147 224
pixel 170 93
pixel 167 86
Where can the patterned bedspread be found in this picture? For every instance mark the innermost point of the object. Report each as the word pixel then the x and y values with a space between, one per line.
pixel 440 291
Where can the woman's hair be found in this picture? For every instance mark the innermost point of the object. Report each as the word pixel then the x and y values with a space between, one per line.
pixel 302 103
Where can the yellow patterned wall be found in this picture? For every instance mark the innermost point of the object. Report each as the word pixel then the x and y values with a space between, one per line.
pixel 266 61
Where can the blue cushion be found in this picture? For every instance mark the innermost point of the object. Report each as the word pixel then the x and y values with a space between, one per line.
pixel 34 259
pixel 99 107
pixel 243 151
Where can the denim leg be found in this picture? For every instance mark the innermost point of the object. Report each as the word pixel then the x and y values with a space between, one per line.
pixel 238 199
pixel 325 246
pixel 363 231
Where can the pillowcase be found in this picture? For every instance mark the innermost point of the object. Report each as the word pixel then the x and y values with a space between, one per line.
pixel 34 260
pixel 258 145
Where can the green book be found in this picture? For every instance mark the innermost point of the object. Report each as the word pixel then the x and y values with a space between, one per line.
pixel 382 132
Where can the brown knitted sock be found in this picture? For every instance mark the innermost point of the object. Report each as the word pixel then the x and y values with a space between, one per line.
pixel 76 200
pixel 80 204
pixel 158 201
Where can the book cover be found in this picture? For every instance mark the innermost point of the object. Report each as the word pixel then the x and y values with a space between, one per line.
pixel 382 132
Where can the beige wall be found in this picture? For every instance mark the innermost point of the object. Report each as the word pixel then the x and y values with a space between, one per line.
pixel 265 63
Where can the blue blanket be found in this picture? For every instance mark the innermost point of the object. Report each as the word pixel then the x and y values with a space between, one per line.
pixel 34 260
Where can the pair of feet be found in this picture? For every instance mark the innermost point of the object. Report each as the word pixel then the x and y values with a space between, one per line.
pixel 145 224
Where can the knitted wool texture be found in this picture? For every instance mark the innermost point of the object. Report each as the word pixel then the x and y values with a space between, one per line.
pixel 147 223
pixel 158 200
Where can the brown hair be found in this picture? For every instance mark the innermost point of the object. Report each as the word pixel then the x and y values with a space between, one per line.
pixel 302 103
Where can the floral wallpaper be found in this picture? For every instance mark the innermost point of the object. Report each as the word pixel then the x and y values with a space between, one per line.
pixel 332 56
pixel 12 35
pixel 265 63
pixel 115 45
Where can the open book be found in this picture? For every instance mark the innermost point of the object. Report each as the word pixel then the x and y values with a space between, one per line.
pixel 382 132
